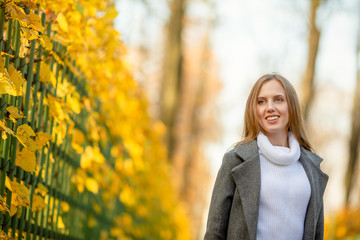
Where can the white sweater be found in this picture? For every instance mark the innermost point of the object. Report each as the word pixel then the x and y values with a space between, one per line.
pixel 284 193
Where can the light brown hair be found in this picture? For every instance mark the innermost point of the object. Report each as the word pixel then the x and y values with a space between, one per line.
pixel 295 125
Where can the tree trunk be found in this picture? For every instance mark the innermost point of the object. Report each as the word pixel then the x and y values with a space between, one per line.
pixel 172 72
pixel 307 87
pixel 350 180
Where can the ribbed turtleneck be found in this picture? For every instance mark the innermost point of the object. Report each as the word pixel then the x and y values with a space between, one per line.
pixel 284 193
pixel 277 154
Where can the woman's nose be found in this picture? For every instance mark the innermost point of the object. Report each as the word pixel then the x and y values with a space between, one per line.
pixel 270 107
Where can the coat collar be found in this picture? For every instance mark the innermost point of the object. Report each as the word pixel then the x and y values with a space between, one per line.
pixel 247 179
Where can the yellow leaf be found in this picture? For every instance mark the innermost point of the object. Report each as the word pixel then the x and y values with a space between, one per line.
pixel 41 139
pixel 74 103
pixel 17 80
pixel 3 135
pixel 21 194
pixel 46 74
pixel 56 108
pixel 41 189
pixel 46 42
pixel 78 139
pixel 60 39
pixel 72 68
pixel 24 46
pixel 61 224
pixel 4 236
pixel 17 13
pixel 7 183
pixel 38 203
pixel 35 22
pixel 3 206
pixel 91 185
pixel 127 196
pixel 117 232
pixel 65 206
pixel 62 22
pixel 26 160
pixel 7 54
pixel 6 86
pixel 57 58
pixel 5 129
pixel 29 34
pixel 24 134
pixel 63 89
pixel 13 210
pixel 90 156
pixel 14 113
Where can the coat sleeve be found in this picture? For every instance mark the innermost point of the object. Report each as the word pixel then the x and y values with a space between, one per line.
pixel 221 201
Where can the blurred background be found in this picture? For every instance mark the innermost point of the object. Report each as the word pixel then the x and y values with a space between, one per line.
pixel 197 60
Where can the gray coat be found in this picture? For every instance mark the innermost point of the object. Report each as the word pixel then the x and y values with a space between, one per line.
pixel 234 204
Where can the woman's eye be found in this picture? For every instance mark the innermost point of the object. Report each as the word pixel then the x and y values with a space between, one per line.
pixel 279 100
pixel 261 102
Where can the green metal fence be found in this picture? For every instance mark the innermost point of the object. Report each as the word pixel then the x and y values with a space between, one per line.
pixel 68 212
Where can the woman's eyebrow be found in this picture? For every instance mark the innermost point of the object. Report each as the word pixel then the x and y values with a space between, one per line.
pixel 277 95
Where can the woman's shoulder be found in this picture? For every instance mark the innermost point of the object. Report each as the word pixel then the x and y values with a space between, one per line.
pixel 311 155
pixel 240 152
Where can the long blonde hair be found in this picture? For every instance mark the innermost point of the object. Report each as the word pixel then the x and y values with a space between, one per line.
pixel 296 125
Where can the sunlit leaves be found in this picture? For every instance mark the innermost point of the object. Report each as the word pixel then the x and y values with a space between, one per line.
pixel 98 116
pixel 4 236
pixel 62 22
pixel 91 156
pixel 10 80
pixel 127 196
pixel 46 75
pixel 92 185
pixel 78 139
pixel 5 130
pixel 17 81
pixel 24 46
pixel 3 206
pixel 41 189
pixel 38 203
pixel 14 113
pixel 65 207
pixel 26 160
pixel 35 22
pixel 24 134
pixel 21 194
pixel 345 224
pixel 17 12
pixel 31 140
pixel 46 42
pixel 57 108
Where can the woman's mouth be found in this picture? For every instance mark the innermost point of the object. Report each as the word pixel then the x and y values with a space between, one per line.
pixel 272 118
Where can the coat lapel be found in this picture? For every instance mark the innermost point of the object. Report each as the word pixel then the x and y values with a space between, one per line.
pixel 247 180
pixel 318 180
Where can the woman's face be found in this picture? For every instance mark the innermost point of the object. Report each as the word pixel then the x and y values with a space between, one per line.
pixel 272 109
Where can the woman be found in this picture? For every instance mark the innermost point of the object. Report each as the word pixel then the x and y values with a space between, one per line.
pixel 270 186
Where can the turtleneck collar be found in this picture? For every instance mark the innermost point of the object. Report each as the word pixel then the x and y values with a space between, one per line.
pixel 276 154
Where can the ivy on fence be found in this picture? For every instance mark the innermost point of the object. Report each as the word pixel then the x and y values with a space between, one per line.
pixel 80 157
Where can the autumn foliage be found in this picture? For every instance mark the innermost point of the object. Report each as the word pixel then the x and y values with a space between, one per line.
pixel 344 225
pixel 80 157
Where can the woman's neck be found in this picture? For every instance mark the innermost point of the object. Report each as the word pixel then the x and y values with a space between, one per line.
pixel 279 139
